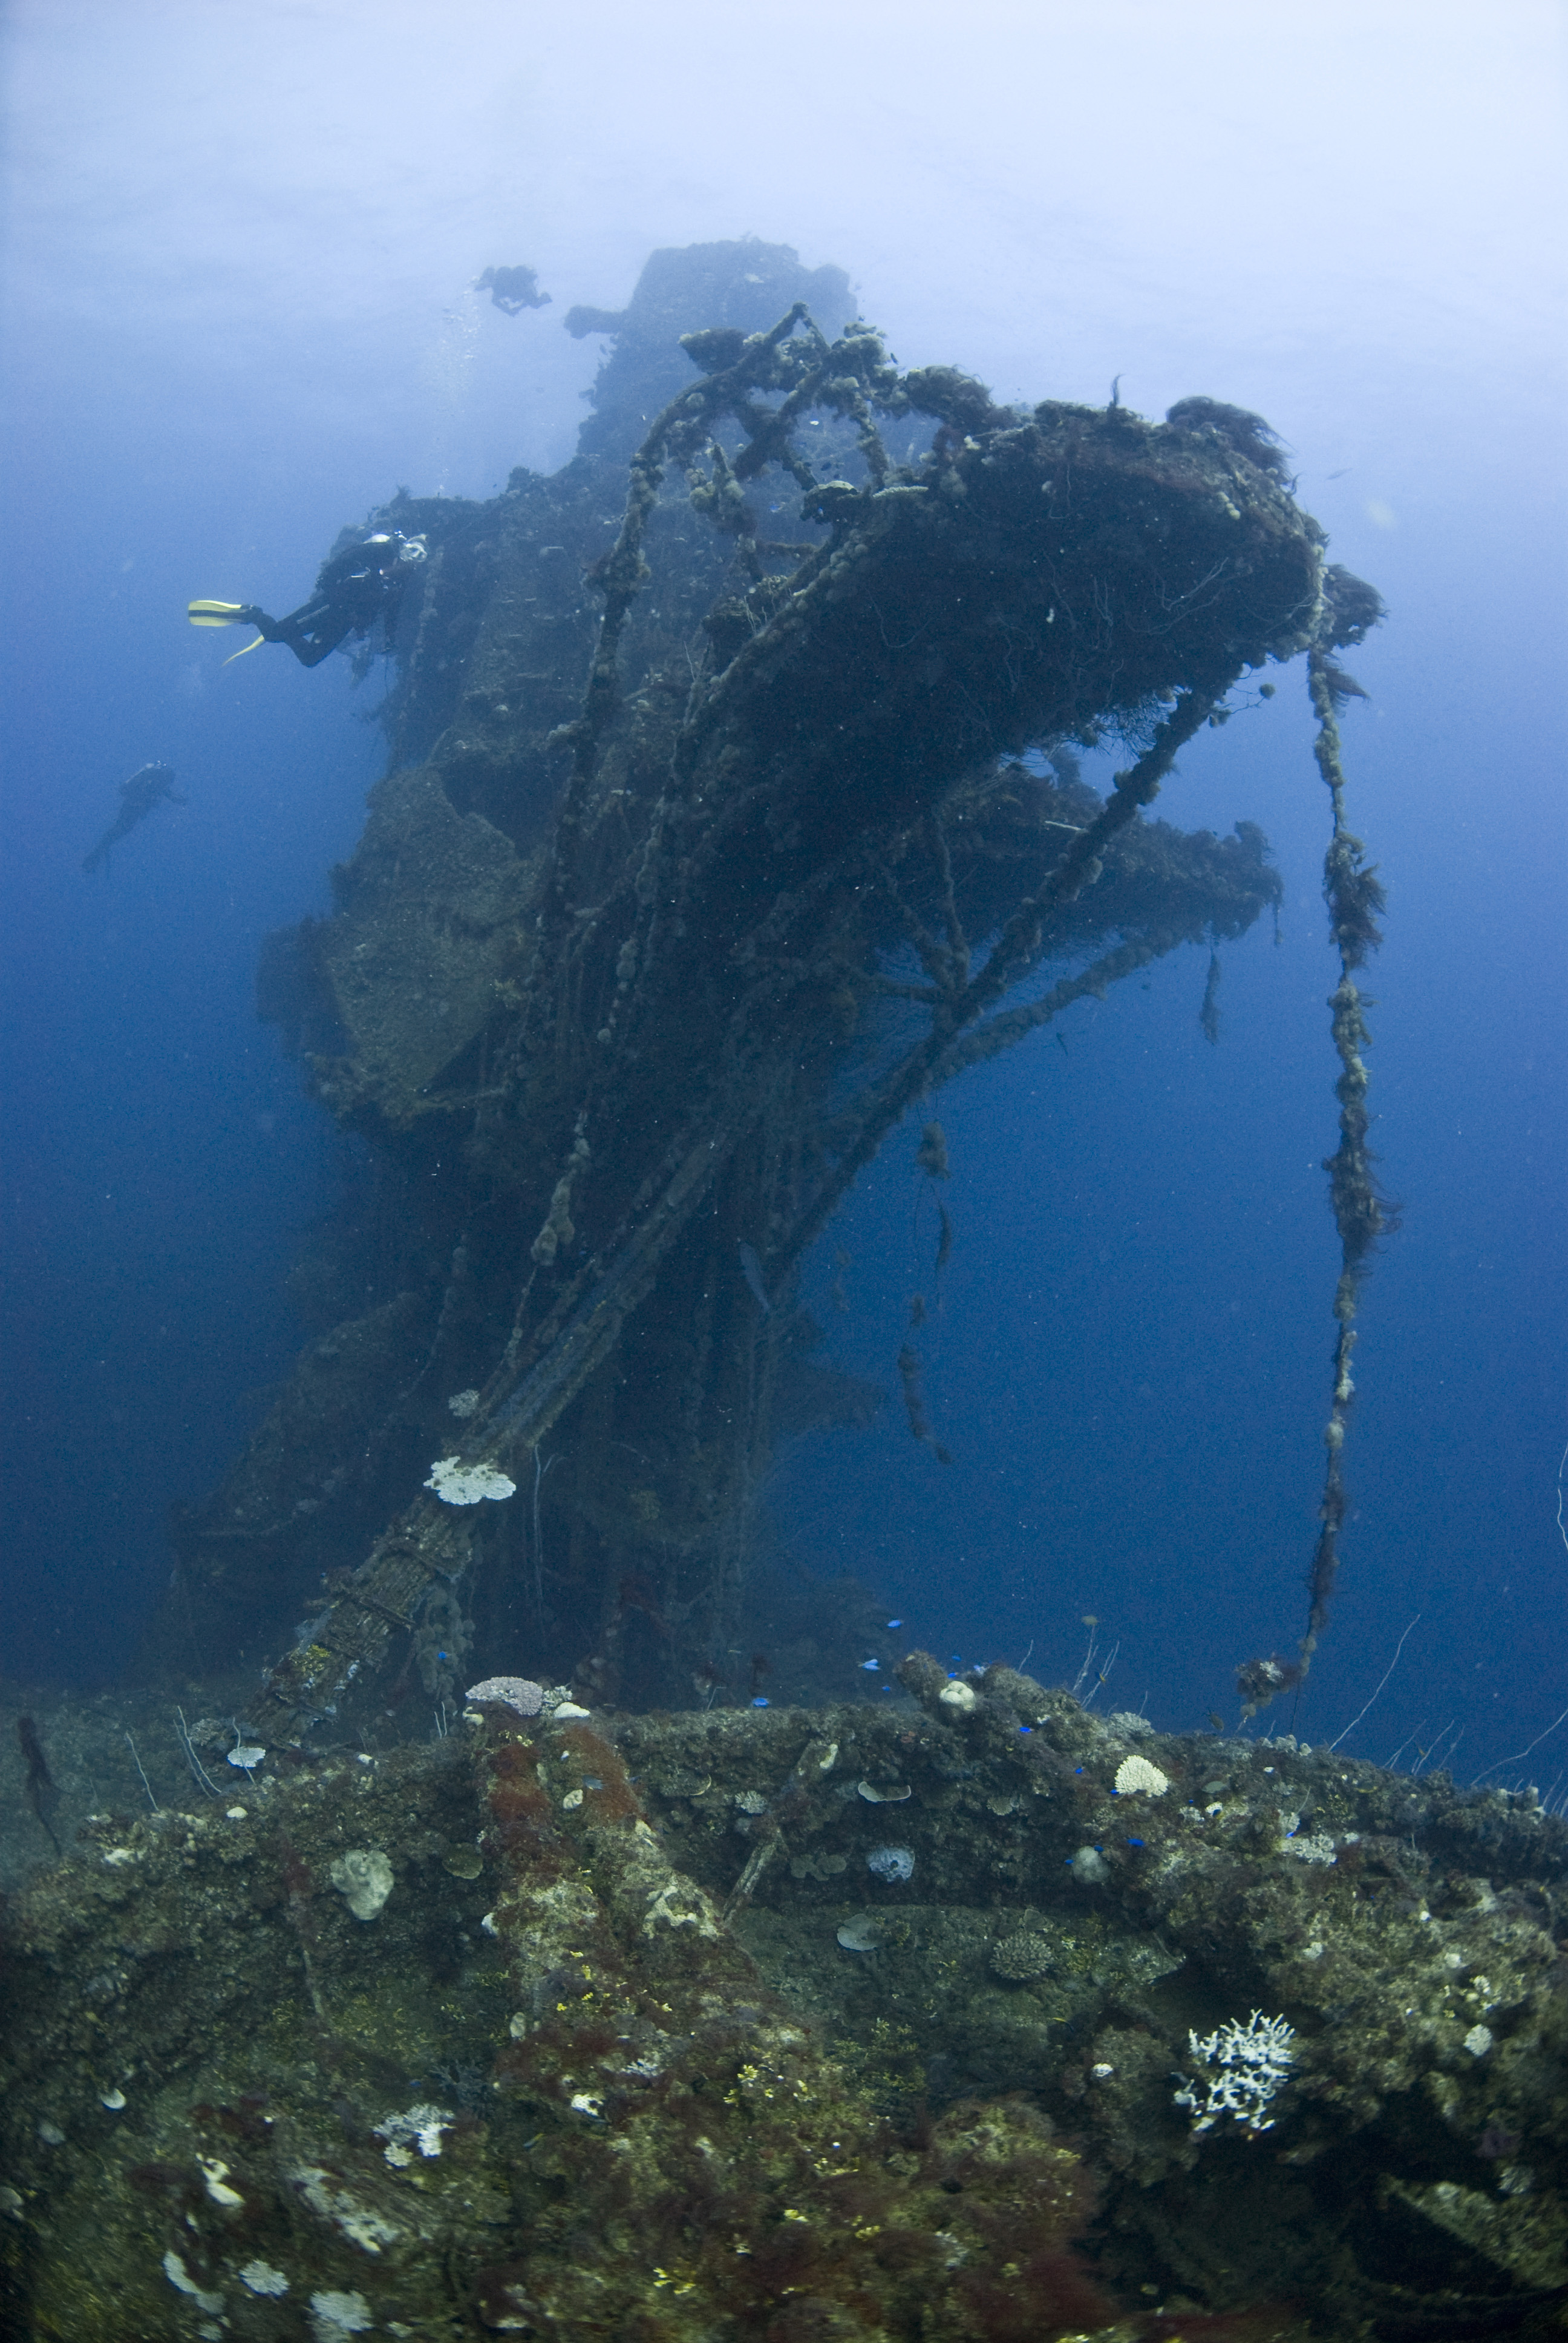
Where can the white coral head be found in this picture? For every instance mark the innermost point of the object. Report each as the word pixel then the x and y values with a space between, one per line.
pixel 520 1693
pixel 1137 1778
pixel 456 1483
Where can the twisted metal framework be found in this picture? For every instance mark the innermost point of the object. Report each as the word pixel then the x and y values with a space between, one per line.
pixel 712 1013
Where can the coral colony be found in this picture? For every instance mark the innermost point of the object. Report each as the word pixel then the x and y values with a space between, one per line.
pixel 1248 2064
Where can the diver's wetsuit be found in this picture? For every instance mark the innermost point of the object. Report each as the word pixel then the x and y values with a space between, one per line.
pixel 355 587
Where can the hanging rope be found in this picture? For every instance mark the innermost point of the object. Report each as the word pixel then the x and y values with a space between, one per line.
pixel 1356 899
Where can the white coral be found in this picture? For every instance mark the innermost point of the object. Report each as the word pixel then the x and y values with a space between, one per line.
pixel 456 1483
pixel 419 2127
pixel 1250 2062
pixel 1136 1777
pixel 262 2278
pixel 334 2315
pixel 520 1693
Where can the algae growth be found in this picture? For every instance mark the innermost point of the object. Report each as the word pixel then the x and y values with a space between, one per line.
pixel 643 2042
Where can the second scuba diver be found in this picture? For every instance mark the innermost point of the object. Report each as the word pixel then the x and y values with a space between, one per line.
pixel 362 583
pixel 138 796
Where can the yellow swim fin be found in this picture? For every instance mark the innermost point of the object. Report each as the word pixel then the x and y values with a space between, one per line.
pixel 225 614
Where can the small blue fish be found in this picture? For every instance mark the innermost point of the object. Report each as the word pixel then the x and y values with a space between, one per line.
pixel 751 1270
pixel 895 1622
pixel 760 1701
pixel 870 1663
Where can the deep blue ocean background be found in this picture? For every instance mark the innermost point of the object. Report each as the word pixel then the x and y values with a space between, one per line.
pixel 240 249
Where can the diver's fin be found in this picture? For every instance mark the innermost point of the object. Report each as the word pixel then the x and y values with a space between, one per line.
pixel 242 651
pixel 218 614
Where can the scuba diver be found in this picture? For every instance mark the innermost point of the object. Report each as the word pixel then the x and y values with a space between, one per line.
pixel 138 796
pixel 512 289
pixel 362 583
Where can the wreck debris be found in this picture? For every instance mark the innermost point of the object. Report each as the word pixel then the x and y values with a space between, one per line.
pixel 604 2102
pixel 632 971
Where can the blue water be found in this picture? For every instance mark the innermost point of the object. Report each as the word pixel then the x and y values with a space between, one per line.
pixel 239 316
